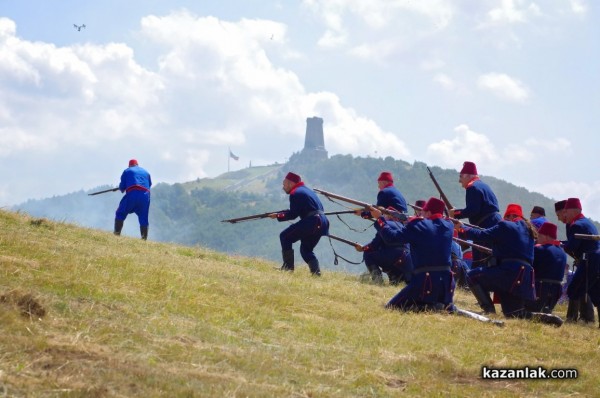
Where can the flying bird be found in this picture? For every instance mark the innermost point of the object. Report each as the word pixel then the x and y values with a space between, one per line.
pixel 78 27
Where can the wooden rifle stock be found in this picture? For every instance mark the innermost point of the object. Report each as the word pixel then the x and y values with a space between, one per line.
pixel 439 189
pixel 587 237
pixel 396 214
pixel 105 191
pixel 346 241
pixel 474 245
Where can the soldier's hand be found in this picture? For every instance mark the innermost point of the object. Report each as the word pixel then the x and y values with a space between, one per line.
pixel 375 213
pixel 358 212
pixel 273 215
pixel 451 212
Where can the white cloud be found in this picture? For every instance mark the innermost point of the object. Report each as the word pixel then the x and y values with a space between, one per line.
pixel 513 11
pixel 504 86
pixel 466 145
pixel 588 192
pixel 378 15
pixel 445 81
pixel 579 7
pixel 214 86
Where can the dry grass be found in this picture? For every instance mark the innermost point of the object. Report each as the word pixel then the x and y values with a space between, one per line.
pixel 86 314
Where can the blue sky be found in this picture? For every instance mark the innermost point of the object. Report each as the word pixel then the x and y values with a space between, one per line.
pixel 512 85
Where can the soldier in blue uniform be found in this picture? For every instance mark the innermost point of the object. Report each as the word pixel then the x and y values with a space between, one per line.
pixel 586 253
pixel 512 277
pixel 313 224
pixel 549 261
pixel 136 183
pixel 387 257
pixel 481 206
pixel 392 259
pixel 430 238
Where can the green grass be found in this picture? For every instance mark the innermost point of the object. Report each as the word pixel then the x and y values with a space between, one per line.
pixel 120 317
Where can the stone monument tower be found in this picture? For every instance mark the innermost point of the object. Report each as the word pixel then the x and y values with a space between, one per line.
pixel 314 142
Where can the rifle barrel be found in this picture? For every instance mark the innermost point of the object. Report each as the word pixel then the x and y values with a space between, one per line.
pixel 106 190
pixel 249 218
pixel 439 189
pixel 587 237
pixel 401 216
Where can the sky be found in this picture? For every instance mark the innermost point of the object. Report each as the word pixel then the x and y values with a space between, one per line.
pixel 512 85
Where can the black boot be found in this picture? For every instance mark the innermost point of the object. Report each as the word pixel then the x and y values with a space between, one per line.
pixel 144 232
pixel 586 310
pixel 483 299
pixel 375 273
pixel 118 226
pixel 573 310
pixel 288 260
pixel 313 265
pixel 548 319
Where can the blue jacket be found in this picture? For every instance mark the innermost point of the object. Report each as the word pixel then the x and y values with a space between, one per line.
pixel 430 239
pixel 508 239
pixel 135 178
pixel 577 247
pixel 303 202
pixel 549 262
pixel 386 197
pixel 481 205
pixel 537 222
pixel 391 196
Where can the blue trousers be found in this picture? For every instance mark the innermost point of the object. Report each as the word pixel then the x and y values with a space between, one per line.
pixel 586 279
pixel 308 231
pixel 137 202
pixel 425 288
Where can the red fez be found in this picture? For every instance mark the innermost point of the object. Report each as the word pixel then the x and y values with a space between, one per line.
pixel 133 162
pixel 385 176
pixel 573 203
pixel 560 205
pixel 469 168
pixel 295 178
pixel 538 210
pixel 434 205
pixel 420 203
pixel 548 229
pixel 514 210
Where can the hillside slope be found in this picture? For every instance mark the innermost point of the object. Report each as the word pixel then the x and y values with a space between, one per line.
pixel 86 314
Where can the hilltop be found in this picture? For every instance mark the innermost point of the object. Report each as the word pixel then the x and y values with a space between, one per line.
pixel 86 314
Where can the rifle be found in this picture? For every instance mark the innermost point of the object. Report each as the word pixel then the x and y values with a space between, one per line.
pixel 346 241
pixel 105 191
pixel 439 189
pixel 265 215
pixel 396 214
pixel 252 217
pixel 474 245
pixel 587 237
pixel 454 220
pixel 476 316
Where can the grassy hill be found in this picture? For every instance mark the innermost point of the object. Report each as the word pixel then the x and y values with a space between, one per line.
pixel 86 314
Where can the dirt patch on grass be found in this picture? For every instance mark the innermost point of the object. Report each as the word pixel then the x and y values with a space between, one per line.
pixel 25 303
